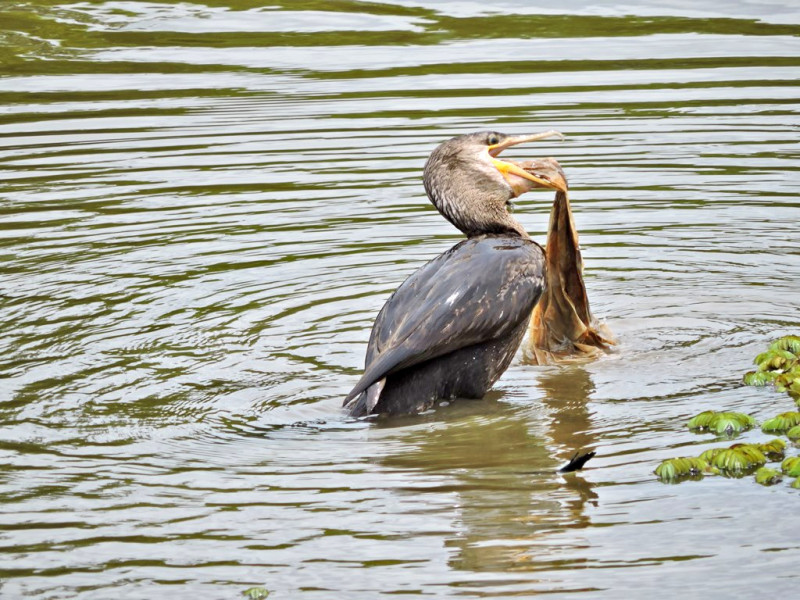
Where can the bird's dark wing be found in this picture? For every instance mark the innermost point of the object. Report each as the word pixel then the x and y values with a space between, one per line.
pixel 479 290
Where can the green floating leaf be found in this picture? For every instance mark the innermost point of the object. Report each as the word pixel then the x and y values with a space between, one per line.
pixel 791 466
pixel 762 360
pixel 794 433
pixel 781 423
pixel 739 459
pixel 793 386
pixel 256 593
pixel 758 378
pixel 788 381
pixel 773 449
pixel 788 342
pixel 767 476
pixel 732 422
pixel 780 366
pixel 675 469
pixel 775 360
pixel 709 454
pixel 701 421
pixel 784 354
pixel 796 484
pixel 727 423
pixel 751 451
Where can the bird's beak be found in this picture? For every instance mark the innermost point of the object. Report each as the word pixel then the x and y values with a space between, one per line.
pixel 545 173
pixel 530 174
pixel 513 140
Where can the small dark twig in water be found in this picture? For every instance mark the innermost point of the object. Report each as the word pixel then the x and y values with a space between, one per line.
pixel 576 462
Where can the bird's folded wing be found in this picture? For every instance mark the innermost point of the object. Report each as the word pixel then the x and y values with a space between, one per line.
pixel 479 290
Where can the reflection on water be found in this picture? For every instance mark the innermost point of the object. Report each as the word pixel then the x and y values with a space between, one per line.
pixel 567 392
pixel 203 207
pixel 505 513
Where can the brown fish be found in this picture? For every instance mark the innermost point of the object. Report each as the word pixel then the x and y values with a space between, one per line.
pixel 562 326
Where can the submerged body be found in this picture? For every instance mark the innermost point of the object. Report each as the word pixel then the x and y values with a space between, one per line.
pixel 453 327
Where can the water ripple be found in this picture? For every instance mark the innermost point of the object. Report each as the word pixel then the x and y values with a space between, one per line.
pixel 203 208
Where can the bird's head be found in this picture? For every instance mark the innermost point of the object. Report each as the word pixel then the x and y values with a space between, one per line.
pixel 473 188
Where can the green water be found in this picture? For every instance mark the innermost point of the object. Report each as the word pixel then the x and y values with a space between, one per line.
pixel 203 207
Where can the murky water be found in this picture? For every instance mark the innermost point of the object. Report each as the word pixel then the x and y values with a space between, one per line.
pixel 204 206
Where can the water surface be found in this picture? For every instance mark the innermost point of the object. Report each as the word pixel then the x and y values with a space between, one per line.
pixel 203 207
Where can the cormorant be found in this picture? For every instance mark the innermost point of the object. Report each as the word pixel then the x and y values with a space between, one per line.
pixel 453 327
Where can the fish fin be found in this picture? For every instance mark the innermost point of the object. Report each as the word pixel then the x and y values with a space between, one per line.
pixel 363 404
pixel 374 394
pixel 577 461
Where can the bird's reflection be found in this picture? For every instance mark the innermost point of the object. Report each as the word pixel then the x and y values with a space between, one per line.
pixel 566 393
pixel 502 462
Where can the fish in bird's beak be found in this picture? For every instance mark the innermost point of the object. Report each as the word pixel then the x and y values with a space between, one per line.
pixel 538 173
pixel 523 177
pixel 562 326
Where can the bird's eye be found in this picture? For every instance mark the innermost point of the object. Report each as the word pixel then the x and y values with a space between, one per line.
pixel 493 140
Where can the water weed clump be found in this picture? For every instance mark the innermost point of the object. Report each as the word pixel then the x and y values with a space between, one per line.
pixel 791 466
pixel 708 455
pixel 739 460
pixel 678 469
pixel 736 461
pixel 782 423
pixel 767 476
pixel 744 457
pixel 774 449
pixel 721 423
pixel 779 366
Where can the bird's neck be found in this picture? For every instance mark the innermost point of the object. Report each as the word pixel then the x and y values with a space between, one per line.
pixel 475 214
pixel 516 228
pixel 510 227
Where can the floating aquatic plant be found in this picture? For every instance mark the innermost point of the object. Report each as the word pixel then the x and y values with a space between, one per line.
pixel 721 423
pixel 771 451
pixel 739 459
pixel 735 461
pixel 759 378
pixel 256 593
pixel 774 449
pixel 751 451
pixel 783 422
pixel 774 359
pixel 790 384
pixel 779 366
pixel 675 469
pixel 709 454
pixel 788 342
pixel 791 466
pixel 767 476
